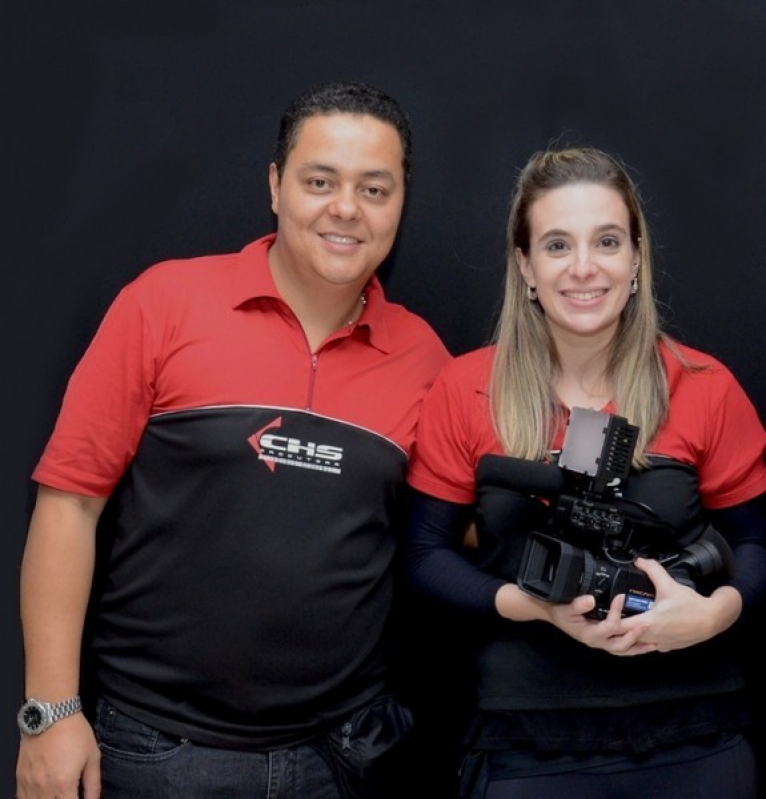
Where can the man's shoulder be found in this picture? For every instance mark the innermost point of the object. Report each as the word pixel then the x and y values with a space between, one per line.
pixel 176 282
pixel 216 267
pixel 403 318
pixel 177 271
pixel 397 327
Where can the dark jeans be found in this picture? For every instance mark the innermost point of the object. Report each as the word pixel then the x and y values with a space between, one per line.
pixel 139 761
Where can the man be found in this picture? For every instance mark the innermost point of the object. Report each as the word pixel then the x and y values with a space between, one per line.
pixel 246 419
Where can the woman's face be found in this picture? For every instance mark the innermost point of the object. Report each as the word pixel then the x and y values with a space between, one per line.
pixel 581 261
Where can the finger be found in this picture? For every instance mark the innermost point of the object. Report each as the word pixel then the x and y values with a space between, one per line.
pixel 583 604
pixel 629 643
pixel 652 569
pixel 616 606
pixel 91 781
pixel 612 623
pixel 640 649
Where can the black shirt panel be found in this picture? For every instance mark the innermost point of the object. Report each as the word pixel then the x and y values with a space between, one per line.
pixel 533 665
pixel 249 574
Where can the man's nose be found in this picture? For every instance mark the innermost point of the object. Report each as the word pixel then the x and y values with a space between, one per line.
pixel 345 204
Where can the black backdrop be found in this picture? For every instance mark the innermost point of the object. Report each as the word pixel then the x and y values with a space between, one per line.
pixel 136 131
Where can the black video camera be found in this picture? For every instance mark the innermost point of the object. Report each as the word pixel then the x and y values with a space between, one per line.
pixel 593 534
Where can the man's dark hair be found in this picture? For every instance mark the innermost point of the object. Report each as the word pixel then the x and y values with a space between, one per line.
pixel 342 97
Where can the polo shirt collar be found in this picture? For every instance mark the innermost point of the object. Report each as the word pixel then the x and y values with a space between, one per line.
pixel 253 280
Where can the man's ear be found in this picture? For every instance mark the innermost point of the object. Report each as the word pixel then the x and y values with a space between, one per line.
pixel 274 187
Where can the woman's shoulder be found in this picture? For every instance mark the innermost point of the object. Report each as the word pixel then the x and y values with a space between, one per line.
pixel 470 369
pixel 702 385
pixel 684 364
pixel 477 360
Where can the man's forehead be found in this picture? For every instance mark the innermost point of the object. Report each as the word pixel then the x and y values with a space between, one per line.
pixel 344 124
pixel 331 141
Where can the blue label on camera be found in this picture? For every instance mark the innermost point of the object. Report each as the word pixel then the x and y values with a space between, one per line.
pixel 636 603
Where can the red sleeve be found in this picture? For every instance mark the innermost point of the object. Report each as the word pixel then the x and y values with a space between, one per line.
pixel 105 407
pixel 732 469
pixel 454 430
pixel 714 427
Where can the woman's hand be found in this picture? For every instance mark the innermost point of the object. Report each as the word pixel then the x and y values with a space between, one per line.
pixel 610 634
pixel 681 617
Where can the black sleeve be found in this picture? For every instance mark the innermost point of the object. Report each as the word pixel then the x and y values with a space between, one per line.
pixel 433 560
pixel 744 527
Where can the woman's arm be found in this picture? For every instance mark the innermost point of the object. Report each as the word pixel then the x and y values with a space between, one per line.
pixel 436 565
pixel 744 527
pixel 433 560
pixel 681 617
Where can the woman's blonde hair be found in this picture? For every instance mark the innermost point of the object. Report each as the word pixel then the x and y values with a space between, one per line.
pixel 525 409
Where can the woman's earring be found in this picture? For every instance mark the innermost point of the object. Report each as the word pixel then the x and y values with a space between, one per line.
pixel 531 293
pixel 634 284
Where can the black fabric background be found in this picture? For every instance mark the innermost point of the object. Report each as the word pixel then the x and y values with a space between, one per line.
pixel 138 131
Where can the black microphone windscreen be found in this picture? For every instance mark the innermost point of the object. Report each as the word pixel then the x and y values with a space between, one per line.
pixel 521 475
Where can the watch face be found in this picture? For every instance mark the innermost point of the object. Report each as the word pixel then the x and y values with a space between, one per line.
pixel 32 718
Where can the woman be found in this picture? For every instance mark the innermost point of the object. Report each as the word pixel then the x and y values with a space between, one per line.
pixel 648 704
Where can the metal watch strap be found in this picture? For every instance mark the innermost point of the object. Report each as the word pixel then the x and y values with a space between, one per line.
pixel 36 716
pixel 60 710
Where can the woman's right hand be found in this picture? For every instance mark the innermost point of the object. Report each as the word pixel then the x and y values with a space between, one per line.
pixel 610 634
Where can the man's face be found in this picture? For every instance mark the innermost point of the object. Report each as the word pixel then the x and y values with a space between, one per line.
pixel 338 202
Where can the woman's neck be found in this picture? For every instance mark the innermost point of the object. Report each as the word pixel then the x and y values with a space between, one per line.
pixel 582 379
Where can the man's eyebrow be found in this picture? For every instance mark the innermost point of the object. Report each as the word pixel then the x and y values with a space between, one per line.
pixel 379 173
pixel 318 166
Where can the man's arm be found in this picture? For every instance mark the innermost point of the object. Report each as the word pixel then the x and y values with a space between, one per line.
pixel 56 578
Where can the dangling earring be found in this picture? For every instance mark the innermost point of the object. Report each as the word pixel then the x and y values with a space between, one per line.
pixel 531 293
pixel 634 284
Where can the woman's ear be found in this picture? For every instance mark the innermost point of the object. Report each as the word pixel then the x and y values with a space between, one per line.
pixel 524 267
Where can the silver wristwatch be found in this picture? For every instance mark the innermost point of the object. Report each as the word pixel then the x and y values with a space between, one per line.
pixel 36 716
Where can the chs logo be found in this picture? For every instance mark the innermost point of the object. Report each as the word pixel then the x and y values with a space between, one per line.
pixel 273 448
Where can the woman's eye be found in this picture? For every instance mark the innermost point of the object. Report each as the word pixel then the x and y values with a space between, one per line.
pixel 610 242
pixel 556 246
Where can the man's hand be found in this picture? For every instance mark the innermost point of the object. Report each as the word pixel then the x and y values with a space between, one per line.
pixel 52 765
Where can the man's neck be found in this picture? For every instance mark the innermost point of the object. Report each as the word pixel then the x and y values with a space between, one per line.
pixel 321 309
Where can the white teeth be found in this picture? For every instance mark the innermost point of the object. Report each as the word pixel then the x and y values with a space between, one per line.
pixel 339 239
pixel 584 295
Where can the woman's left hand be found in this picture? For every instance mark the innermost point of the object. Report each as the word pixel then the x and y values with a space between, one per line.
pixel 681 617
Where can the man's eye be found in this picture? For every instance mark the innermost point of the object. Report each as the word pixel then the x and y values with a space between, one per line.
pixel 318 183
pixel 375 192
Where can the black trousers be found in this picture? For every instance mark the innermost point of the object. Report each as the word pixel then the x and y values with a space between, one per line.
pixel 724 768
